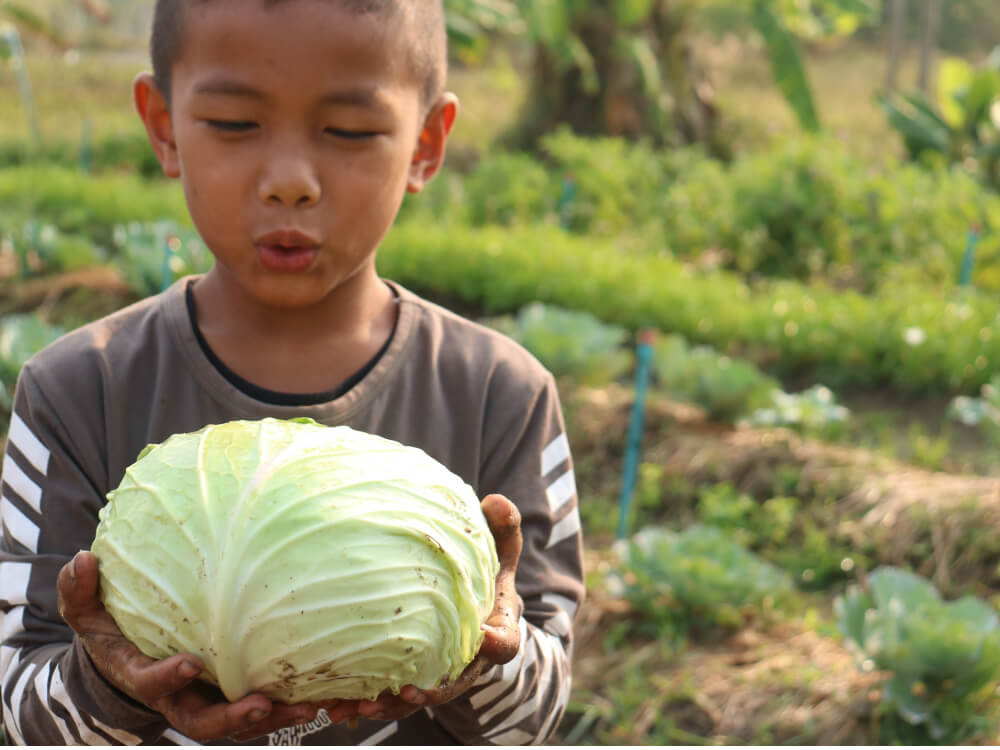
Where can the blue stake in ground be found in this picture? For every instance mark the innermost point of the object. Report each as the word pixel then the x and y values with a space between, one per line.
pixel 170 247
pixel 636 423
pixel 13 40
pixel 969 258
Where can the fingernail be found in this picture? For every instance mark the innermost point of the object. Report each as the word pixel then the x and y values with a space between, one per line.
pixel 188 669
pixel 72 569
pixel 257 714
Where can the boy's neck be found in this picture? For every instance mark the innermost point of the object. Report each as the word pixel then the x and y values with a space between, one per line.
pixel 296 350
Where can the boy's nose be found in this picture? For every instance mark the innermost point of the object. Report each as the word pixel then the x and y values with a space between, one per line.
pixel 290 182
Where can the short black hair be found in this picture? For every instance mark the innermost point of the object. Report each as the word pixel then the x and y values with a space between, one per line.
pixel 426 20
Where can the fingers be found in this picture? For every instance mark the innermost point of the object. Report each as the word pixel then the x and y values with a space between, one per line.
pixel 78 599
pixel 450 690
pixel 504 520
pixel 343 710
pixel 120 661
pixel 199 714
pixel 389 707
pixel 169 685
pixel 502 636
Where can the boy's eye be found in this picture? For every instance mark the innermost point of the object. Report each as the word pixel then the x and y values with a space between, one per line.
pixel 351 135
pixel 232 126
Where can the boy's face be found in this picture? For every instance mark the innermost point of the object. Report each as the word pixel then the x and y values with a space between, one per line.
pixel 296 131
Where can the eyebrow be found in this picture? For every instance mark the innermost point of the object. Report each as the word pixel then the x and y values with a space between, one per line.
pixel 362 96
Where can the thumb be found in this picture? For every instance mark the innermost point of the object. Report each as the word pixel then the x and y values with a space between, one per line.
pixel 77 587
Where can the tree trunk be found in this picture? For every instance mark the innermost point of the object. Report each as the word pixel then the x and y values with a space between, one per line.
pixel 932 23
pixel 897 25
pixel 618 105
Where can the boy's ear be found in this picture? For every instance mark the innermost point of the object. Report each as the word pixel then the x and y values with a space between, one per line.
pixel 429 154
pixel 155 114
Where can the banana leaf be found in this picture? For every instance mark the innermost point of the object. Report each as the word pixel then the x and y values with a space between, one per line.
pixel 786 62
pixel 631 13
pixel 922 129
pixel 983 91
pixel 953 79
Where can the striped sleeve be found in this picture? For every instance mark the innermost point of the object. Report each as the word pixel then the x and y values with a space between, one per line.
pixel 521 702
pixel 50 693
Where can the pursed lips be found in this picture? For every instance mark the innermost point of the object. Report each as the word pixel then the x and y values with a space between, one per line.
pixel 287 250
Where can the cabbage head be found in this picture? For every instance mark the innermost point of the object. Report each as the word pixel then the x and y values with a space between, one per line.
pixel 301 561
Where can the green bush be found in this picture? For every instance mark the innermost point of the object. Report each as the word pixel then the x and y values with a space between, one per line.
pixel 797 537
pixel 916 339
pixel 87 205
pixel 570 343
pixel 696 580
pixel 41 248
pixel 121 153
pixel 944 657
pixel 809 209
pixel 803 209
pixel 726 388
pixel 617 186
pixel 152 256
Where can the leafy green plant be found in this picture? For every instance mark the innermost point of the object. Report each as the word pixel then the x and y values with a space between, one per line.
pixel 806 208
pixel 21 337
pixel 754 524
pixel 570 343
pixel 725 387
pixel 814 409
pixel 43 248
pixel 173 538
pixel 128 153
pixel 965 126
pixel 87 205
pixel 915 338
pixel 943 656
pixel 783 530
pixel 983 412
pixel 814 557
pixel 698 579
pixel 152 256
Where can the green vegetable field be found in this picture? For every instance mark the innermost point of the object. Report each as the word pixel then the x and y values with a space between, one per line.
pixel 808 548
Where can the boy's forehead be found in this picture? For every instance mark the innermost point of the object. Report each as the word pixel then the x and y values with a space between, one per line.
pixel 390 16
pixel 329 38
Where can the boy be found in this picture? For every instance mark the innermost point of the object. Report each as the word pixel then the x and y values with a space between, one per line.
pixel 295 127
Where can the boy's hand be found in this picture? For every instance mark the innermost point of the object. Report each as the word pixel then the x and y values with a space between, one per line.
pixel 502 633
pixel 168 686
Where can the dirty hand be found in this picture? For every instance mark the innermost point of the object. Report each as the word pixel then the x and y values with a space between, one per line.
pixel 502 635
pixel 169 686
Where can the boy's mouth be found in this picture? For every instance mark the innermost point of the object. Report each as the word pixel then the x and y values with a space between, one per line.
pixel 286 251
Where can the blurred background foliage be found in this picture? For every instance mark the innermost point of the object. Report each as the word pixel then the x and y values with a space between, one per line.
pixel 799 196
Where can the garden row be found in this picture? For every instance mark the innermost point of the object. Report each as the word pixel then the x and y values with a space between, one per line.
pixel 806 209
pixel 912 337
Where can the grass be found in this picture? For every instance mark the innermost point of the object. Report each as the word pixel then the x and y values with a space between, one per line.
pixel 86 89
pixel 845 78
pixel 96 89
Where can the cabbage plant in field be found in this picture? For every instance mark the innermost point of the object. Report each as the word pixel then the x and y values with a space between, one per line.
pixel 943 657
pixel 302 561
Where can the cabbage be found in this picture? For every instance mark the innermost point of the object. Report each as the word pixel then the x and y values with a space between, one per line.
pixel 301 561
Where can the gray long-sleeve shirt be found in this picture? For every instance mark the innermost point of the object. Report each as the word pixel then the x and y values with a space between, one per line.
pixel 86 406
